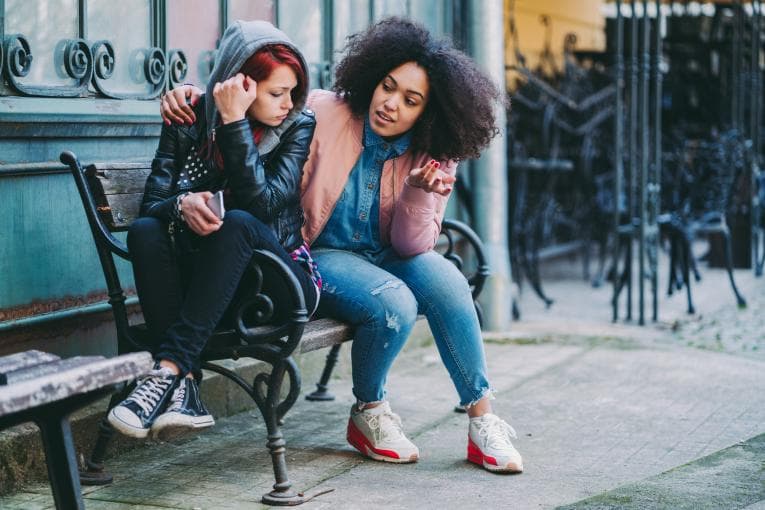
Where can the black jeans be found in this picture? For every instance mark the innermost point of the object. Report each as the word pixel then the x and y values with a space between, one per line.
pixel 185 291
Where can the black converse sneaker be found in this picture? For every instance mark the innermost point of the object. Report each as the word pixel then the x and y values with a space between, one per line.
pixel 134 416
pixel 185 413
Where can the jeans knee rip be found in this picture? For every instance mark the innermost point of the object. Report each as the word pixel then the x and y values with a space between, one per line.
pixel 484 392
pixel 389 284
pixel 391 321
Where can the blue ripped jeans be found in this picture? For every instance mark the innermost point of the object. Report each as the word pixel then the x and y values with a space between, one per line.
pixel 382 301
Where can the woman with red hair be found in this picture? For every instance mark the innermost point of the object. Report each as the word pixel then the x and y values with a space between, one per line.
pixel 249 142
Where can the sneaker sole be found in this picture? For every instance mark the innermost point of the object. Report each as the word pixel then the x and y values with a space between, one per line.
pixel 361 443
pixel 171 425
pixel 476 456
pixel 125 428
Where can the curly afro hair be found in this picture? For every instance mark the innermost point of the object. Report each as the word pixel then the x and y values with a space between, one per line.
pixel 459 118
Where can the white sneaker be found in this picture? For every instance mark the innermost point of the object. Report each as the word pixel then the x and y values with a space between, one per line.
pixel 376 432
pixel 489 445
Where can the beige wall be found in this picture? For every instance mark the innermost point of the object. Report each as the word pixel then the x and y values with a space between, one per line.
pixel 581 17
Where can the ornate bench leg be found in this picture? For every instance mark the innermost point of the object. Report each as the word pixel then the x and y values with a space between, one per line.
pixel 281 495
pixel 321 393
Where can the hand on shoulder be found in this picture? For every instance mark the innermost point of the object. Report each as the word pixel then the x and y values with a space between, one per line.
pixel 176 106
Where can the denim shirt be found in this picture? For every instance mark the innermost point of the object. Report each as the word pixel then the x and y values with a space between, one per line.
pixel 355 222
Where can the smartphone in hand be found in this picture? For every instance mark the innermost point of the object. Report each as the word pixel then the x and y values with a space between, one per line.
pixel 216 205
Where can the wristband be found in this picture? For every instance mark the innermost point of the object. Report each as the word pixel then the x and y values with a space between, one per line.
pixel 178 206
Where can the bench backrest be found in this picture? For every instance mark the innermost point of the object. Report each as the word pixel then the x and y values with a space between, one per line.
pixel 117 189
pixel 112 193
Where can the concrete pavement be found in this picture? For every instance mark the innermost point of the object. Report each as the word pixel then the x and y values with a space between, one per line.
pixel 608 416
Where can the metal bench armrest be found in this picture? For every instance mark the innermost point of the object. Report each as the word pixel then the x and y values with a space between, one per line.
pixel 477 279
pixel 263 306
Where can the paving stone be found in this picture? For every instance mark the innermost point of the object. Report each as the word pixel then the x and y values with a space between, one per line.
pixel 730 478
pixel 597 406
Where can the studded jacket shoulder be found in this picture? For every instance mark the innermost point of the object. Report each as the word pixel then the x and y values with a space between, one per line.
pixel 265 185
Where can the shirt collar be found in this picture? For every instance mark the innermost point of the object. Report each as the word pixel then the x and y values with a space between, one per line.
pixel 398 146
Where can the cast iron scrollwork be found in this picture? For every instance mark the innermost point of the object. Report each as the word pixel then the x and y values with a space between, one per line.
pixel 178 68
pixel 77 62
pixel 154 70
pixel 103 62
pixel 258 307
pixel 259 322
pixel 19 56
pixel 262 383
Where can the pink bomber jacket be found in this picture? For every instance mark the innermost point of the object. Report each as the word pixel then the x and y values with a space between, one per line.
pixel 410 218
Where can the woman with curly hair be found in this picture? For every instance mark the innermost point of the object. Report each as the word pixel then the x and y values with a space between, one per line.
pixel 404 110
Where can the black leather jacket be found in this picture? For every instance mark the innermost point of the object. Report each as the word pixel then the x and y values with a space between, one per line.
pixel 265 185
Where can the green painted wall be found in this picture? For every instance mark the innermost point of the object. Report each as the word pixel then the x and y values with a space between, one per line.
pixel 47 257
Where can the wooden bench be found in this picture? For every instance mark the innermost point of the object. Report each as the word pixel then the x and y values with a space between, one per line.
pixel 262 328
pixel 45 389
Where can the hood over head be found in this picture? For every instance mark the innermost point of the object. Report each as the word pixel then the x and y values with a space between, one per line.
pixel 240 41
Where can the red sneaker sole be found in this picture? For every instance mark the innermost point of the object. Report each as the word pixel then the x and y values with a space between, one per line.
pixel 359 441
pixel 476 456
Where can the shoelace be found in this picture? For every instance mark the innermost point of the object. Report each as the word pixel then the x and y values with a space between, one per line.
pixel 377 423
pixel 178 396
pixel 149 391
pixel 497 432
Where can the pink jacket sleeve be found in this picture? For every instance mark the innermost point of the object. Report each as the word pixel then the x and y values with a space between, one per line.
pixel 417 217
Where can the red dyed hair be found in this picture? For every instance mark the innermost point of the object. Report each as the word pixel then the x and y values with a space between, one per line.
pixel 261 64
pixel 259 67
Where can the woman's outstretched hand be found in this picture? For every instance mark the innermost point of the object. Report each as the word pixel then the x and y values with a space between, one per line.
pixel 234 96
pixel 431 178
pixel 197 215
pixel 176 105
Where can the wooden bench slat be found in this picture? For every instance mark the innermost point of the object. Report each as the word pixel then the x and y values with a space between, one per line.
pixel 47 368
pixel 74 381
pixel 19 360
pixel 119 211
pixel 123 181
pixel 104 166
pixel 117 190
pixel 324 333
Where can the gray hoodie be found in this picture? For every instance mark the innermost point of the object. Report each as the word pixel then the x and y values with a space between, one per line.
pixel 239 42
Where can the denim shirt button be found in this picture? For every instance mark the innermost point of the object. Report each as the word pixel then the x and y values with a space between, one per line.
pixel 363 216
pixel 371 185
pixel 356 236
